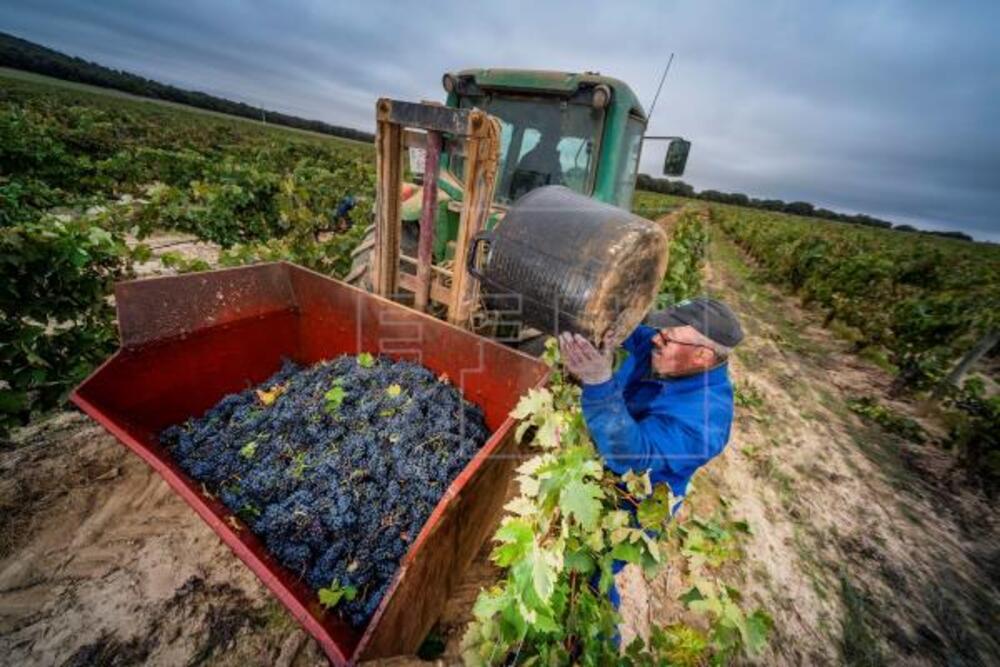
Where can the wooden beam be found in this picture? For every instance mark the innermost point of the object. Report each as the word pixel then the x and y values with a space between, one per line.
pixel 438 293
pixel 438 271
pixel 428 213
pixel 438 118
pixel 389 166
pixel 482 151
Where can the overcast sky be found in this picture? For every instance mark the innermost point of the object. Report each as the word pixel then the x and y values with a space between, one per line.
pixel 886 108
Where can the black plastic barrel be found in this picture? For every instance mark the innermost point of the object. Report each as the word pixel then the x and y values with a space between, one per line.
pixel 560 261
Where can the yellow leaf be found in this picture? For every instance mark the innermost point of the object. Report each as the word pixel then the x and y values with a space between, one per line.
pixel 595 540
pixel 520 506
pixel 638 484
pixel 651 545
pixel 529 486
pixel 271 395
pixel 619 535
pixel 536 401
pixel 531 465
pixel 616 519
pixel 548 433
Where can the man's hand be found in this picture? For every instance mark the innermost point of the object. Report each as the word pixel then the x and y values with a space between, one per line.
pixel 584 361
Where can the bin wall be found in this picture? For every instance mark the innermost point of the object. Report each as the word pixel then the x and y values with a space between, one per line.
pixel 217 341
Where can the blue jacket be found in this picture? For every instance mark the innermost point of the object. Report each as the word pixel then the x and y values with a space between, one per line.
pixel 671 426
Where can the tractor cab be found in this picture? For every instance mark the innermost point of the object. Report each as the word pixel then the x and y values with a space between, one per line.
pixel 583 131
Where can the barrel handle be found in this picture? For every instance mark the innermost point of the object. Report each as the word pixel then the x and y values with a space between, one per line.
pixel 485 236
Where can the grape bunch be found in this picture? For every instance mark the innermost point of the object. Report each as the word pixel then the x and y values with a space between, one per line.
pixel 336 467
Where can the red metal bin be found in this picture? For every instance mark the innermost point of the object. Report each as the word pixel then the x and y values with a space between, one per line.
pixel 186 341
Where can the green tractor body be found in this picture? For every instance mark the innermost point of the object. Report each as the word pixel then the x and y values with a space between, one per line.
pixel 583 131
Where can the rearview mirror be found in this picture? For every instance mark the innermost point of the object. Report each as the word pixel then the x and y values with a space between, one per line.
pixel 677 157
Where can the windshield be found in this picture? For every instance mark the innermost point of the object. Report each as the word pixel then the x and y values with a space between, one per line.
pixel 544 141
pixel 631 148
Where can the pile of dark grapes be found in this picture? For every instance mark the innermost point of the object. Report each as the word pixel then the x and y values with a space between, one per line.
pixel 338 469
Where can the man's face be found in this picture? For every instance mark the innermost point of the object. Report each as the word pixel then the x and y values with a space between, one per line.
pixel 676 351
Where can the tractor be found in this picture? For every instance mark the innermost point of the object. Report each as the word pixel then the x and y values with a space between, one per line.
pixel 189 340
pixel 504 133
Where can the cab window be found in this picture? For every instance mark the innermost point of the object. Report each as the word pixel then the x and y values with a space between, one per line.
pixel 543 141
pixel 629 162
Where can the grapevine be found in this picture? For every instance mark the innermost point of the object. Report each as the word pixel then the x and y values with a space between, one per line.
pixel 113 166
pixel 923 301
pixel 558 545
pixel 688 247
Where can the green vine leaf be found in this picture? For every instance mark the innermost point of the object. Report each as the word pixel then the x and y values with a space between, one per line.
pixel 759 625
pixel 628 552
pixel 516 538
pixel 331 596
pixel 582 501
pixel 579 561
pixel 248 450
pixel 654 511
pixel 334 398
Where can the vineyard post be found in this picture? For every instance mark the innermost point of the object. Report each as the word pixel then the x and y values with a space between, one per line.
pixel 975 353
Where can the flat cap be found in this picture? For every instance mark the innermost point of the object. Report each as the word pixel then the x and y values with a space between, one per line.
pixel 712 319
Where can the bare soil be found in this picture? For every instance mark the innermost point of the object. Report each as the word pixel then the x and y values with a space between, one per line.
pixel 185 245
pixel 101 564
pixel 865 549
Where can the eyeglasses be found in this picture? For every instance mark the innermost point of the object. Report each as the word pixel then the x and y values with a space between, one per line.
pixel 664 339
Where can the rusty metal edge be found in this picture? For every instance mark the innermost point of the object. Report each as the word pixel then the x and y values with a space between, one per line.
pixel 124 287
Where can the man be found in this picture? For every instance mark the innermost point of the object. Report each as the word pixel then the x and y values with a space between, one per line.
pixel 539 166
pixel 669 406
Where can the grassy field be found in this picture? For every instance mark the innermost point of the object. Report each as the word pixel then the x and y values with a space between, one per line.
pixel 8 76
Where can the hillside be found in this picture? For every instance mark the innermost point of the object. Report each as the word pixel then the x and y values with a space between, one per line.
pixel 21 54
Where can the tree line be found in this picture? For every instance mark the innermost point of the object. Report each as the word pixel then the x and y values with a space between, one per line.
pixel 21 54
pixel 801 208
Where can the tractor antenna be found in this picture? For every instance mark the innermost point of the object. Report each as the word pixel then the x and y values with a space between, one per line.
pixel 663 78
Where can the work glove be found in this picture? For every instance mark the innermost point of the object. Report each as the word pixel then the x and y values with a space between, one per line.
pixel 584 361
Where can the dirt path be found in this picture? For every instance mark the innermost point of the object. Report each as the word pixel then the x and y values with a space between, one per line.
pixel 100 563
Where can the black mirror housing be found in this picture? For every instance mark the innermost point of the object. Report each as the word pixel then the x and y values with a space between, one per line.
pixel 676 159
